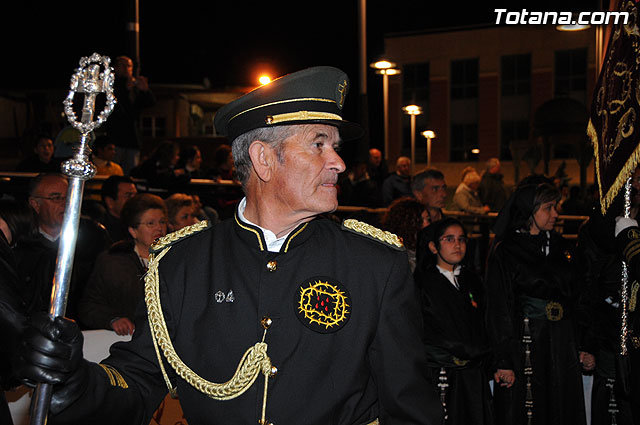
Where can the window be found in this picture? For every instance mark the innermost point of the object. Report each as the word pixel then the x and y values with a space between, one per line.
pixel 154 127
pixel 571 74
pixel 464 138
pixel 415 84
pixel 512 131
pixel 515 75
pixel 464 79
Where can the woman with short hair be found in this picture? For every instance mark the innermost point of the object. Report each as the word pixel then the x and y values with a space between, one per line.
pixel 181 211
pixel 116 287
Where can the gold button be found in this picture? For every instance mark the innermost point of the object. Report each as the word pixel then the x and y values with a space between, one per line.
pixel 266 322
pixel 274 371
pixel 272 266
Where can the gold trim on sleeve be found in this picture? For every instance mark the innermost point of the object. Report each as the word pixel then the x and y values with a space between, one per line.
pixel 115 379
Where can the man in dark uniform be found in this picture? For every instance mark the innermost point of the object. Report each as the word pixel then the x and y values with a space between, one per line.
pixel 327 313
pixel 628 243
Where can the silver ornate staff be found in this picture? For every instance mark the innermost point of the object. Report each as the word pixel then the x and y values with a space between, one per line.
pixel 90 80
pixel 624 296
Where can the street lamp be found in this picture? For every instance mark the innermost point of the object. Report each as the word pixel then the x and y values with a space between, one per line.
pixel 264 79
pixel 413 110
pixel 429 134
pixel 385 68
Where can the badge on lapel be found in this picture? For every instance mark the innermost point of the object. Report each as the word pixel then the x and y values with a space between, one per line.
pixel 322 304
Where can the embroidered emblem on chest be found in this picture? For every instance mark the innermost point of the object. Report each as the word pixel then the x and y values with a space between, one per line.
pixel 322 304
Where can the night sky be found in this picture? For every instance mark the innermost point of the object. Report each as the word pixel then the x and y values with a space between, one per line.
pixel 230 43
pixel 226 42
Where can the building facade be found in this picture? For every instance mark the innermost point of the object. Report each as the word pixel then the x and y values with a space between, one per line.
pixel 480 90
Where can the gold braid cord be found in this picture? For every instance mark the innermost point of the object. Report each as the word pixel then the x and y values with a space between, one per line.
pixel 373 233
pixel 253 362
pixel 173 237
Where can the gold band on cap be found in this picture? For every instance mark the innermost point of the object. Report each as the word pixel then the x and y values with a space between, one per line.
pixel 300 99
pixel 301 116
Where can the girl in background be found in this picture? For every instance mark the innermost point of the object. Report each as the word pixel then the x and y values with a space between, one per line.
pixel 454 333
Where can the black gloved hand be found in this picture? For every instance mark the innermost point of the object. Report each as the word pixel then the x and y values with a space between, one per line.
pixel 51 353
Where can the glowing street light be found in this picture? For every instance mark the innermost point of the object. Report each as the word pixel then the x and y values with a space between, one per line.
pixel 264 79
pixel 413 110
pixel 573 25
pixel 383 64
pixel 385 68
pixel 429 134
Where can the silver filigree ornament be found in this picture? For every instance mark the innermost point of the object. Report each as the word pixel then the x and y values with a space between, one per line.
pixel 91 81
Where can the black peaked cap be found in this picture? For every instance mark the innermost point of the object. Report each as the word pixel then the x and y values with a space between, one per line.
pixel 311 96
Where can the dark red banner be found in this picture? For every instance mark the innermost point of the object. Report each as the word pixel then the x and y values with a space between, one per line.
pixel 614 127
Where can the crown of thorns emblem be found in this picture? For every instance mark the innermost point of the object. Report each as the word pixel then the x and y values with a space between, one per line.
pixel 323 306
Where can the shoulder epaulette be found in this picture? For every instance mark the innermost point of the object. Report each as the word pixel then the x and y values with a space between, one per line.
pixel 178 235
pixel 632 247
pixel 373 233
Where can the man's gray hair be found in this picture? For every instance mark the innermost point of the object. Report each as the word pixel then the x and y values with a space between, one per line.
pixel 418 182
pixel 274 136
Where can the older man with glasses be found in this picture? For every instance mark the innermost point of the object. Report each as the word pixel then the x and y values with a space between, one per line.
pixel 37 257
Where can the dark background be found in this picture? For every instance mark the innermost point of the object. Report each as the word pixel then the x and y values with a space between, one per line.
pixel 229 43
pixel 226 42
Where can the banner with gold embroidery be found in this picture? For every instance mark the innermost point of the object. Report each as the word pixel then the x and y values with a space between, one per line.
pixel 615 110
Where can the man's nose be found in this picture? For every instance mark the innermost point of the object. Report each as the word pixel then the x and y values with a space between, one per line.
pixel 335 162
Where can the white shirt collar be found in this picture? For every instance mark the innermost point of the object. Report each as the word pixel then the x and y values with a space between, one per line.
pixel 48 236
pixel 273 243
pixel 451 275
pixel 143 261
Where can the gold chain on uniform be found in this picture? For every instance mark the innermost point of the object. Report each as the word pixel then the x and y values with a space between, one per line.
pixel 254 360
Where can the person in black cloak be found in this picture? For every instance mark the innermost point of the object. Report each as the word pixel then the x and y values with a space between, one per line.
pixel 455 338
pixel 533 313
pixel 623 370
pixel 601 274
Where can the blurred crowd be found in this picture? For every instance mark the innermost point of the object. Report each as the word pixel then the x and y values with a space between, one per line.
pixel 528 311
pixel 475 300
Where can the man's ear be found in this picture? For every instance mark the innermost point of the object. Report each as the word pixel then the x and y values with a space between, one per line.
pixel 432 248
pixel 34 204
pixel 263 158
pixel 418 195
pixel 133 232
pixel 110 203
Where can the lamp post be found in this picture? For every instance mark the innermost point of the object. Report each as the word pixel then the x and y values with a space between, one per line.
pixel 385 68
pixel 412 111
pixel 429 134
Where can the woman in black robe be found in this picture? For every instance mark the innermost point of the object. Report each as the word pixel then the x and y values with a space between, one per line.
pixel 533 314
pixel 454 334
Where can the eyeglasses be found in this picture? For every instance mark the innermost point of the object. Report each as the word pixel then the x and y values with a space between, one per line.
pixel 151 224
pixel 52 198
pixel 452 239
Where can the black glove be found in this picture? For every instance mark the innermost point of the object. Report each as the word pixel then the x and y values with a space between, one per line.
pixel 51 353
